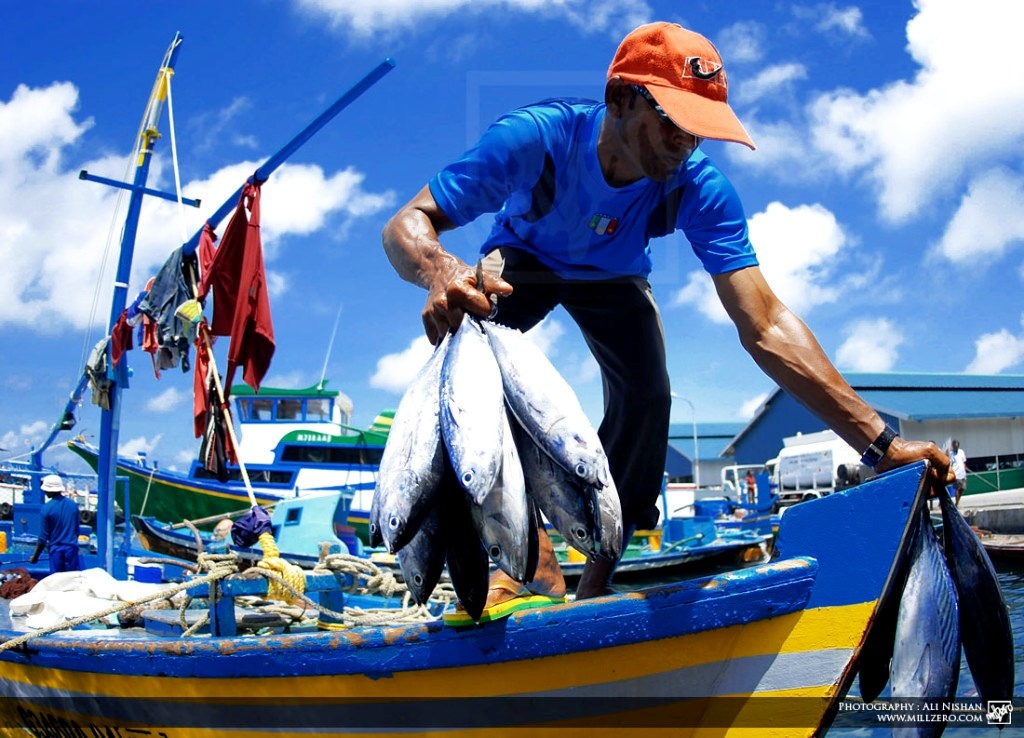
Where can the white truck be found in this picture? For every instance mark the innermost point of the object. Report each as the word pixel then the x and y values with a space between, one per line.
pixel 813 465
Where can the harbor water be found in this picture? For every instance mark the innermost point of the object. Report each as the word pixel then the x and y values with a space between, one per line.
pixel 1011 579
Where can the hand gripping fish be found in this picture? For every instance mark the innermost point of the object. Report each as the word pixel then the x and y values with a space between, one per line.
pixel 546 406
pixel 413 459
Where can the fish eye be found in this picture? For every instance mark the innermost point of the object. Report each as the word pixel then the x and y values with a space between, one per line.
pixel 467 479
pixel 394 522
pixel 581 534
pixel 581 469
pixel 495 552
pixel 418 579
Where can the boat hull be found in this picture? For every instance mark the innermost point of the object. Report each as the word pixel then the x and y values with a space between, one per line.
pixel 773 645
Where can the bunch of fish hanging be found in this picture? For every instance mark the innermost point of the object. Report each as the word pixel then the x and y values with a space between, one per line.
pixel 946 594
pixel 488 433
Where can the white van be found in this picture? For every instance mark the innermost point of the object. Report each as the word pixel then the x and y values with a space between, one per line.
pixel 813 465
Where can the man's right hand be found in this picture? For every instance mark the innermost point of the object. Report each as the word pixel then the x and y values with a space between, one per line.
pixel 454 293
pixel 33 558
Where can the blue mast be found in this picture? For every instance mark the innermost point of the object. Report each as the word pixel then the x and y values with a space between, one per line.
pixel 110 419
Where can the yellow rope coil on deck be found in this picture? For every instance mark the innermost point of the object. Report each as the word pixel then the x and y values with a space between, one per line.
pixel 289 572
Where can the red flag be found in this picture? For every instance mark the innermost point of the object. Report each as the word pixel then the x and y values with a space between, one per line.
pixel 241 308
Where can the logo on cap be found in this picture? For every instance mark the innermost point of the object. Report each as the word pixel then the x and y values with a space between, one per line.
pixel 701 68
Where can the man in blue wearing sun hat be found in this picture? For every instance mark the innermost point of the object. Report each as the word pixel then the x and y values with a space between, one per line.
pixel 580 189
pixel 59 528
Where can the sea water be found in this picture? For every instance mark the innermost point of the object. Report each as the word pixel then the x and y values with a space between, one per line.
pixel 1011 579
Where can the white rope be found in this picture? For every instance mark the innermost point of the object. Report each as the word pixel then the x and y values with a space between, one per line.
pixel 174 157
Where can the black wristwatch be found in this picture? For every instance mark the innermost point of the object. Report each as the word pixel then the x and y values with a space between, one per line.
pixel 876 450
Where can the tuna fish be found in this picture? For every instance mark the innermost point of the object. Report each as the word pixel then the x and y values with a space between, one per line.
pixel 926 657
pixel 984 619
pixel 503 518
pixel 472 410
pixel 422 558
pixel 587 516
pixel 546 406
pixel 468 564
pixel 413 459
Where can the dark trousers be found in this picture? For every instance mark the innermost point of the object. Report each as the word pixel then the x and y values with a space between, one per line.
pixel 64 557
pixel 622 326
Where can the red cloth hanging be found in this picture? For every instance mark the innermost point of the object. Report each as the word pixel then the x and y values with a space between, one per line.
pixel 241 307
pixel 120 338
pixel 206 251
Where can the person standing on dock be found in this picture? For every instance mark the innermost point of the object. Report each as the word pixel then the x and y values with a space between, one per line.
pixel 580 189
pixel 60 528
pixel 958 465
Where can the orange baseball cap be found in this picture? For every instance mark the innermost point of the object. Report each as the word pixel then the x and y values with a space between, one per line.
pixel 684 73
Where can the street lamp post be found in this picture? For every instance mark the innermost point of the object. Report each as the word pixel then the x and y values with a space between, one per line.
pixel 696 447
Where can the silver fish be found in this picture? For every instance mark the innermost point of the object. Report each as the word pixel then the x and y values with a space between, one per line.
pixel 468 564
pixel 413 458
pixel 472 410
pixel 422 558
pixel 984 618
pixel 503 518
pixel 546 405
pixel 586 515
pixel 926 656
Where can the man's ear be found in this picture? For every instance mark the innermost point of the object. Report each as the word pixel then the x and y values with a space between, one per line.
pixel 616 96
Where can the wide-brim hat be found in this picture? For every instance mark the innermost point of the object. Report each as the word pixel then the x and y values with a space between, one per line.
pixel 685 74
pixel 52 483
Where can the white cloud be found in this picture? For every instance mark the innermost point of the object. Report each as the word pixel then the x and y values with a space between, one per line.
pixel 916 139
pixel 166 401
pixel 396 371
pixel 388 17
pixel 996 352
pixel 771 81
pixel 139 445
pixel 828 18
pixel 742 42
pixel 990 219
pixel 798 249
pixel 55 229
pixel 546 334
pixel 25 437
pixel 749 408
pixel 870 346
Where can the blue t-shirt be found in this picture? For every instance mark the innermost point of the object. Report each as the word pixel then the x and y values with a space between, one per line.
pixel 537 168
pixel 60 522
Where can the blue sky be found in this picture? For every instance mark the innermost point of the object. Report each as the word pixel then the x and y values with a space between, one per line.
pixel 886 197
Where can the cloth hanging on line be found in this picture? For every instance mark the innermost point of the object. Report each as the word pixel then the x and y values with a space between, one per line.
pixel 241 306
pixel 169 290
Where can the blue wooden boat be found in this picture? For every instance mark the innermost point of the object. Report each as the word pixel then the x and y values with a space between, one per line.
pixel 769 647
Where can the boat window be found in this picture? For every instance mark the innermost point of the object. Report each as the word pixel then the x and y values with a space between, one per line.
pixel 262 409
pixel 294 516
pixel 289 409
pixel 318 409
pixel 335 454
pixel 257 476
pixel 244 409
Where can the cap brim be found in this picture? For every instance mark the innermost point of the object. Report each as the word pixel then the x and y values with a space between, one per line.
pixel 701 116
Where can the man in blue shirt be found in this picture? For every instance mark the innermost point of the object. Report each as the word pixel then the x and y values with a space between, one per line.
pixel 579 189
pixel 60 528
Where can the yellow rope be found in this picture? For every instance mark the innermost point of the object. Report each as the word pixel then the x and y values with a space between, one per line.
pixel 290 573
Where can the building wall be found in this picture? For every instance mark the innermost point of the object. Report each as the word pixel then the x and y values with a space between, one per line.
pixel 977 436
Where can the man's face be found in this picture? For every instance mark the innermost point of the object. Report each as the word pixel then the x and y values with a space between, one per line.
pixel 659 146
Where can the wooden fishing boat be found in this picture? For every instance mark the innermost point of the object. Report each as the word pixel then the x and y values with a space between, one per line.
pixel 291 442
pixel 773 646
pixel 1008 548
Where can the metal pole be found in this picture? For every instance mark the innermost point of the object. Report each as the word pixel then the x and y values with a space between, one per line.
pixel 696 446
